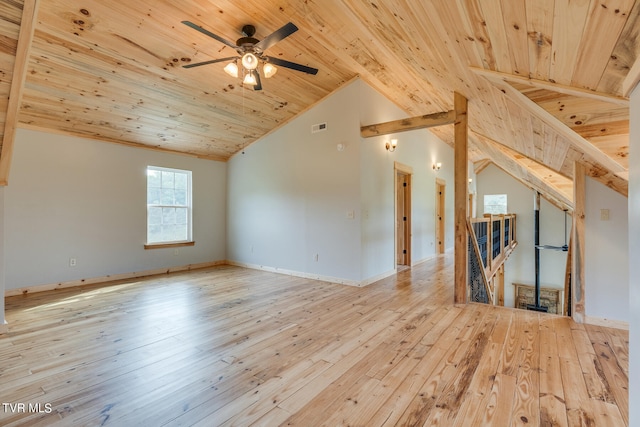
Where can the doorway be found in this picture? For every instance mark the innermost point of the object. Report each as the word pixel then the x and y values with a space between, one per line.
pixel 403 175
pixel 440 211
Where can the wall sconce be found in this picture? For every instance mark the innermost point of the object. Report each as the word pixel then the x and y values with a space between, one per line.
pixel 391 146
pixel 437 166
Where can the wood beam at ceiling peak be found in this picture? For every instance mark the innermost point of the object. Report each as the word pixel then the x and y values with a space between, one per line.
pixel 412 123
pixel 541 84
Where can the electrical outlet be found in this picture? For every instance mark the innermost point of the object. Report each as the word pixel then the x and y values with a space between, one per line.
pixel 176 251
pixel 73 262
pixel 604 214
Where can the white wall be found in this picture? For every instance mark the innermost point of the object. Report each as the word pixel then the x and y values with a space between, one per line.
pixel 606 254
pixel 520 267
pixel 634 258
pixel 418 150
pixel 301 187
pixel 289 194
pixel 75 197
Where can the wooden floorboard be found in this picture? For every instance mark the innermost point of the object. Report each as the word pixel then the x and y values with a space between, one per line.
pixel 236 347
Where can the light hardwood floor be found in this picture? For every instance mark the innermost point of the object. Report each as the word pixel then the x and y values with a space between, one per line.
pixel 231 346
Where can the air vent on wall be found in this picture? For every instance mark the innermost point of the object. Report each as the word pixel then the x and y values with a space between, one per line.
pixel 319 127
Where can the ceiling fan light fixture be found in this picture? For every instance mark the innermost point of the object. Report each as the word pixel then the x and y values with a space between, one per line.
pixel 269 70
pixel 249 61
pixel 232 69
pixel 250 79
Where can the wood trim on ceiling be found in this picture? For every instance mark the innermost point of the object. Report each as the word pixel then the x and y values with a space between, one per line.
pixel 25 39
pixel 542 84
pixel 633 78
pixel 580 144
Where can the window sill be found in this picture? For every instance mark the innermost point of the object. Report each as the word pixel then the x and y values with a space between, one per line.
pixel 168 245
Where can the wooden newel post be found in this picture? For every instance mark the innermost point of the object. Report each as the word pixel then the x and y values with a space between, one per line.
pixel 460 198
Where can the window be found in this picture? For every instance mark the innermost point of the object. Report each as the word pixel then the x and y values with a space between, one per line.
pixel 495 204
pixel 168 205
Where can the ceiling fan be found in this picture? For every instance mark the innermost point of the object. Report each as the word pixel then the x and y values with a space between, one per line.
pixel 251 54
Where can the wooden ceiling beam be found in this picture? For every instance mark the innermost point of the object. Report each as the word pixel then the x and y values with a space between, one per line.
pixel 25 38
pixel 505 159
pixel 633 78
pixel 579 143
pixel 481 165
pixel 541 84
pixel 512 150
pixel 412 123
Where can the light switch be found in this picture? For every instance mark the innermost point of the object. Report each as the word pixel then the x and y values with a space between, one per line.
pixel 604 214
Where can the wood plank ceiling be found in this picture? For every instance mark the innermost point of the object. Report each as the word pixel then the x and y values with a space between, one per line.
pixel 543 77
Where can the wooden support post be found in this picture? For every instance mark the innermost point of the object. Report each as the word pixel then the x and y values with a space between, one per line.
pixel 460 198
pixel 578 243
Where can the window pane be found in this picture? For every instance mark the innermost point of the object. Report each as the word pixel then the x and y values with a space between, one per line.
pixel 168 216
pixel 180 197
pixel 168 197
pixel 167 179
pixel 153 178
pixel 495 204
pixel 168 188
pixel 181 216
pixel 154 233
pixel 153 196
pixel 181 181
pixel 155 216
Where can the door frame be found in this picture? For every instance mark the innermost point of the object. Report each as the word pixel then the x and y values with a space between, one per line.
pixel 440 211
pixel 402 169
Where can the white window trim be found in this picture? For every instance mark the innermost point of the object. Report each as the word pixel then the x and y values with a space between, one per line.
pixel 189 206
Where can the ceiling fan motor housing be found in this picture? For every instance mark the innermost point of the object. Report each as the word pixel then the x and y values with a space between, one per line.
pixel 248 30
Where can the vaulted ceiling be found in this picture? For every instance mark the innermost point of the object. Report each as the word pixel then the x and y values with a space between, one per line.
pixel 546 79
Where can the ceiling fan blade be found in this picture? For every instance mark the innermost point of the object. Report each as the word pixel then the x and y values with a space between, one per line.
pixel 276 36
pixel 258 85
pixel 292 65
pixel 210 34
pixel 213 61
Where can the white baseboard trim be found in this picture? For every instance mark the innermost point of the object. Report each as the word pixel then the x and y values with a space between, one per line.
pixel 159 271
pixel 109 278
pixel 429 258
pixel 607 323
pixel 4 327
pixel 294 273
pixel 374 279
pixel 330 279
